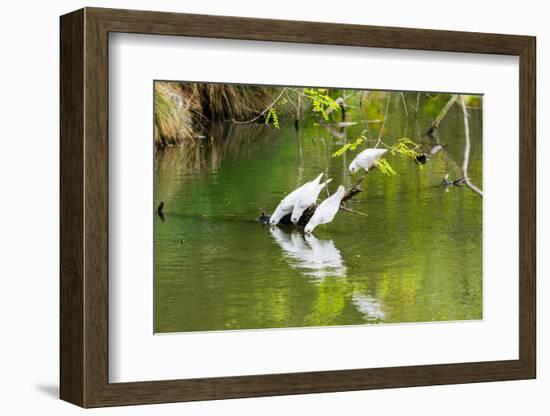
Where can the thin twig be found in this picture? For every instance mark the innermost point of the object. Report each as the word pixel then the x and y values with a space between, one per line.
pixel 297 92
pixel 467 149
pixel 263 112
pixel 326 189
pixel 352 211
pixel 291 101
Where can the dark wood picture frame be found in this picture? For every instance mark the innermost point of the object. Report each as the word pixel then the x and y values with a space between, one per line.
pixel 84 207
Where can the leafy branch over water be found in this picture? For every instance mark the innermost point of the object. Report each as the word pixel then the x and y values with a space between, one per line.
pixel 321 102
pixel 384 166
pixel 404 147
pixel 349 146
pixel 272 115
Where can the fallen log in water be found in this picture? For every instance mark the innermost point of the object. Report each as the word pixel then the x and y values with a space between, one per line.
pixel 351 193
pixel 308 213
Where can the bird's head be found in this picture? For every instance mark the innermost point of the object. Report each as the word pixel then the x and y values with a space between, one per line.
pixel 353 168
pixel 308 228
pixel 295 218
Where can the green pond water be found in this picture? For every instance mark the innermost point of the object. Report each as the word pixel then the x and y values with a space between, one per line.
pixel 417 257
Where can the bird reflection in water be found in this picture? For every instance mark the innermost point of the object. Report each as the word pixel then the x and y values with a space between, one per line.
pixel 313 257
pixel 370 307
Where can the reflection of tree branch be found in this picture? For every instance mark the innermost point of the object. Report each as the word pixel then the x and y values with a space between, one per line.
pixel 406 114
pixel 384 122
pixel 467 149
pixel 405 105
pixel 442 114
pixel 417 108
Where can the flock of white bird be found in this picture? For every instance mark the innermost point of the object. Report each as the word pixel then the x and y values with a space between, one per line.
pixel 300 199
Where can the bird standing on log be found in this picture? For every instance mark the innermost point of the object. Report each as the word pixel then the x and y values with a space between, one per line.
pixel 306 198
pixel 326 211
pixel 287 203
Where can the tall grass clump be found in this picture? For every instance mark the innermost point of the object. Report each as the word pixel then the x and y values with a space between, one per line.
pixel 173 114
pixel 184 109
pixel 229 102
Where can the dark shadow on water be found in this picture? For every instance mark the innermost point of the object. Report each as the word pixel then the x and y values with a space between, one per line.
pixel 51 390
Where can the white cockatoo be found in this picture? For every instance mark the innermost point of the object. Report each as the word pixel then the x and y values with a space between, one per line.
pixel 287 203
pixel 326 211
pixel 306 198
pixel 366 159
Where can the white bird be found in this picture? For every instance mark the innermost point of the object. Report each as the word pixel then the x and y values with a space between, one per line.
pixel 287 203
pixel 326 211
pixel 306 198
pixel 366 159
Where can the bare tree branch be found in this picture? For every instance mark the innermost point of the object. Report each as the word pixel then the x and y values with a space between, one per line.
pixel 467 149
pixel 351 211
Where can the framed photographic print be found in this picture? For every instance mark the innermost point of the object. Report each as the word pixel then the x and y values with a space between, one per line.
pixel 261 207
